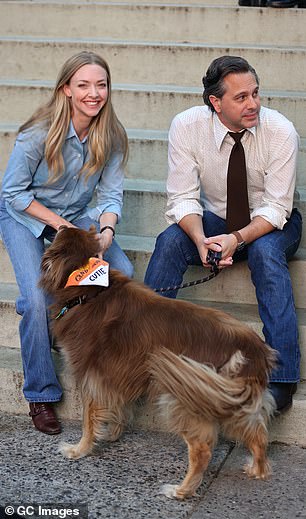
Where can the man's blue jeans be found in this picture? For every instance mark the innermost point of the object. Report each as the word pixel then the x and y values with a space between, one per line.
pixel 25 251
pixel 267 260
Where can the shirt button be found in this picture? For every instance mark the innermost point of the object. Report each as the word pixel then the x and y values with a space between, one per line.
pixel 79 155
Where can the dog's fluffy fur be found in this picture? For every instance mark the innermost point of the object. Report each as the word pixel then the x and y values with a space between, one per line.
pixel 204 370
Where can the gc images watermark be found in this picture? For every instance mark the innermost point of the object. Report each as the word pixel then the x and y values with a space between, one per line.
pixel 37 511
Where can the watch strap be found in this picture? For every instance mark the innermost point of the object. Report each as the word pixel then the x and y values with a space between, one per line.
pixel 238 237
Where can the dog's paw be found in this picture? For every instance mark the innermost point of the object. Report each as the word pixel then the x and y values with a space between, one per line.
pixel 71 451
pixel 169 490
pixel 258 472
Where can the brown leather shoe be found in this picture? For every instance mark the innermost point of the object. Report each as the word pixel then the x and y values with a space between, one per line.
pixel 44 418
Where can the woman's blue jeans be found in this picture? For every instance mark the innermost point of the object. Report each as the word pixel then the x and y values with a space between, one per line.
pixel 267 260
pixel 25 251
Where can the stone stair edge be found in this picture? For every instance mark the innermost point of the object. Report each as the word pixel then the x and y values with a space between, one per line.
pixel 146 244
pixel 149 87
pixel 209 3
pixel 246 312
pixel 12 401
pixel 163 44
pixel 155 186
pixel 137 134
pixel 12 356
pixel 170 98
pixel 178 6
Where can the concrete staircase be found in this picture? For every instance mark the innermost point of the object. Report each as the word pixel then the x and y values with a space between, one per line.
pixel 157 54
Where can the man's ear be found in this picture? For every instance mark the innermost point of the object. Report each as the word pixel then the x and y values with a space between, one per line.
pixel 216 102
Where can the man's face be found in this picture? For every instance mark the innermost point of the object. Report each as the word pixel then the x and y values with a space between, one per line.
pixel 239 107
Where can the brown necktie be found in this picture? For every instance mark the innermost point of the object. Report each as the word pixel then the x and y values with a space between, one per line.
pixel 237 210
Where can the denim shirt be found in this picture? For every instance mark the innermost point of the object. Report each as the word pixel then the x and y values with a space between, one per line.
pixel 27 173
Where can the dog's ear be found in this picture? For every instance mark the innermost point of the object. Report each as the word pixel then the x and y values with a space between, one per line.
pixel 61 227
pixel 92 229
pixel 53 275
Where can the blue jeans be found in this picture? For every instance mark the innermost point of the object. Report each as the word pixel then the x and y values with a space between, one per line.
pixel 267 260
pixel 25 251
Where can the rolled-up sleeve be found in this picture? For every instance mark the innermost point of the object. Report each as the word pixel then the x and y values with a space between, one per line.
pixel 276 202
pixel 22 165
pixel 109 189
pixel 183 184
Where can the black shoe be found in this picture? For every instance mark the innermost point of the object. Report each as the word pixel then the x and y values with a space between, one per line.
pixel 282 394
pixel 282 3
pixel 253 3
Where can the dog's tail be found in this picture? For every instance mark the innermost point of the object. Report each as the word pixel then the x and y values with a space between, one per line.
pixel 200 389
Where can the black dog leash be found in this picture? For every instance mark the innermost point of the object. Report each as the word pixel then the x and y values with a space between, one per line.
pixel 213 259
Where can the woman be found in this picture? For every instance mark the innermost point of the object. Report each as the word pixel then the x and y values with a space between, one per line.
pixel 70 148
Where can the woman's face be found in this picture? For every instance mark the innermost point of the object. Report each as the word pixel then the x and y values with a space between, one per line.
pixel 88 92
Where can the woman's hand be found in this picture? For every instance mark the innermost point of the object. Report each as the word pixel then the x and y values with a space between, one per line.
pixel 105 240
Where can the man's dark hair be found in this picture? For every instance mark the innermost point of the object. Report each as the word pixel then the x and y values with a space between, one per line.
pixel 213 81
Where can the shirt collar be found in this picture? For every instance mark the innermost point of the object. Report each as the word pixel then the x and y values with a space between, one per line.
pixel 220 130
pixel 72 133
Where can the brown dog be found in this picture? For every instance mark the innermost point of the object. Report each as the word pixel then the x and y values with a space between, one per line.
pixel 204 370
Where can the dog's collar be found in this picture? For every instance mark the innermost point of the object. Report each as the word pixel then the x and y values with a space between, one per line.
pixel 80 300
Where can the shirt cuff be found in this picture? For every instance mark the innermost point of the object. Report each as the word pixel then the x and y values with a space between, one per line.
pixel 95 212
pixel 275 217
pixel 175 213
pixel 20 202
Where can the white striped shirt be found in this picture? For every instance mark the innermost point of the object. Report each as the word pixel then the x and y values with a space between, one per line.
pixel 198 154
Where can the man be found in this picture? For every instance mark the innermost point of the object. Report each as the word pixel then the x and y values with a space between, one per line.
pixel 200 208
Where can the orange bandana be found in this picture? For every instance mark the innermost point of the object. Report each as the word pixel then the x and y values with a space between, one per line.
pixel 95 272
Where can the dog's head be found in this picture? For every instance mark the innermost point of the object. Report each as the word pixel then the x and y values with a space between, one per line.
pixel 70 250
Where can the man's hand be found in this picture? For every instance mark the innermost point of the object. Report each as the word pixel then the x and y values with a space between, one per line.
pixel 227 244
pixel 216 244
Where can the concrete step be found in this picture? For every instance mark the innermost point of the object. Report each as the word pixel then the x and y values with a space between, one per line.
pixel 33 58
pixel 145 205
pixel 133 103
pixel 210 3
pixel 248 313
pixel 177 23
pixel 148 154
pixel 233 285
pixel 144 208
pixel 9 320
pixel 12 401
pixel 138 248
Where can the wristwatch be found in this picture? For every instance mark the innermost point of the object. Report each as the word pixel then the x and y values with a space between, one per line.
pixel 240 242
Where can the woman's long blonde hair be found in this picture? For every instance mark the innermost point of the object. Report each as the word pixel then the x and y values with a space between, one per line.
pixel 106 133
